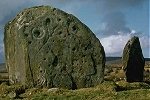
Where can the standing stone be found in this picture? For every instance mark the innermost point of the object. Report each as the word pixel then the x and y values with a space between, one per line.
pixel 133 60
pixel 46 47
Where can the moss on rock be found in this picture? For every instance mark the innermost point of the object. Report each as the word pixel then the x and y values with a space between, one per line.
pixel 46 47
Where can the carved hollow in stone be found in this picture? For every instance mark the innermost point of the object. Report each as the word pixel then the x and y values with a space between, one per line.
pixel 48 47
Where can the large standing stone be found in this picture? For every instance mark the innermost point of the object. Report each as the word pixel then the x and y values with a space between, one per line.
pixel 133 60
pixel 47 47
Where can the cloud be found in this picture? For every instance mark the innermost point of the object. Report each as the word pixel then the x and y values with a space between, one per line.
pixel 145 41
pixel 113 15
pixel 2 53
pixel 113 23
pixel 72 7
pixel 114 44
pixel 1 48
pixel 113 19
pixel 9 8
pixel 116 5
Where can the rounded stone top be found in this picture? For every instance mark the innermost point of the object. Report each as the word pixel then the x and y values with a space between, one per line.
pixel 48 47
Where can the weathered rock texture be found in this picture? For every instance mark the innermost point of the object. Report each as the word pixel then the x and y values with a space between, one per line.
pixel 47 47
pixel 133 60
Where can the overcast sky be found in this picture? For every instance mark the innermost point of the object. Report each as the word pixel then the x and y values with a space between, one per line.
pixel 113 21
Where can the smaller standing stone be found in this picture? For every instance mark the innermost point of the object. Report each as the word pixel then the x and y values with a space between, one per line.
pixel 133 60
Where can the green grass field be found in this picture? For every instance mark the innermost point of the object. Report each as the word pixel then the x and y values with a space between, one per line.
pixel 108 90
pixel 113 88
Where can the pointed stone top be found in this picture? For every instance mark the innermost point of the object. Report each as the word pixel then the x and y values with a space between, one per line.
pixel 133 60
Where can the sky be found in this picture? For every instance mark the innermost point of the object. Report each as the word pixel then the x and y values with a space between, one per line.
pixel 114 22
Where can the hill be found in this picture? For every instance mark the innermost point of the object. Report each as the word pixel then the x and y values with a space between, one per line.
pixel 2 67
pixel 117 60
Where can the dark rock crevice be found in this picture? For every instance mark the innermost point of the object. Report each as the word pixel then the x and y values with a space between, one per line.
pixel 31 72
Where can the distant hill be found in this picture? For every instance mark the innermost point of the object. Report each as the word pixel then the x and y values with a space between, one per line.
pixel 2 67
pixel 109 60
pixel 117 60
pixel 2 57
pixel 147 59
pixel 112 58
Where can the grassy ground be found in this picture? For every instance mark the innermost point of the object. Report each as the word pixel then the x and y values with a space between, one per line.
pixel 113 88
pixel 108 90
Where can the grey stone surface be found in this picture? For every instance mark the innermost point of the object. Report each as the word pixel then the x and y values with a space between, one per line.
pixel 46 47
pixel 133 60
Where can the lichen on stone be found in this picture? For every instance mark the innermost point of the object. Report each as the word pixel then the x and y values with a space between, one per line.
pixel 46 47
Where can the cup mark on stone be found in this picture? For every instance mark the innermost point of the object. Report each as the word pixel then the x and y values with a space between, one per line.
pixel 54 9
pixel 60 32
pixel 47 21
pixel 47 51
pixel 55 61
pixel 26 35
pixel 49 65
pixel 74 49
pixel 29 42
pixel 59 19
pixel 44 59
pixel 37 34
pixel 74 28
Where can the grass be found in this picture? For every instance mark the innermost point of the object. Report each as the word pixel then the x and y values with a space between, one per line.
pixel 138 94
pixel 102 91
pixel 108 90
pixel 115 88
